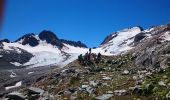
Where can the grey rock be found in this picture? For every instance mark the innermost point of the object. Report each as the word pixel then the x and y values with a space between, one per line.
pixel 136 90
pixel 90 90
pixel 15 96
pixel 161 83
pixel 125 72
pixel 34 90
pixel 120 92
pixel 168 96
pixel 104 97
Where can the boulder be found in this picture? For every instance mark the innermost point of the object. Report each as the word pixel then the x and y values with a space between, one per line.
pixel 90 90
pixel 104 97
pixel 148 89
pixel 168 96
pixel 34 90
pixel 165 77
pixel 161 83
pixel 95 83
pixel 136 90
pixel 120 92
pixel 15 96
pixel 125 72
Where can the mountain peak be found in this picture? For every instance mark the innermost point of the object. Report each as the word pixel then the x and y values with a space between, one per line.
pixel 50 37
pixel 130 31
pixel 25 36
pixel 29 38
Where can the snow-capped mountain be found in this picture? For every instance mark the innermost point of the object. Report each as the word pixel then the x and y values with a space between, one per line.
pixel 42 50
pixel 127 39
pixel 119 41
pixel 46 49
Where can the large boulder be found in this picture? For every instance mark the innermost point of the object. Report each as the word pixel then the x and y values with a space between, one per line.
pixel 104 97
pixel 34 90
pixel 120 92
pixel 15 96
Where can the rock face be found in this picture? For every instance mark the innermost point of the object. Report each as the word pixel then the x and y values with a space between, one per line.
pixel 51 38
pixel 109 37
pixel 73 43
pixel 153 52
pixel 139 37
pixel 5 40
pixel 32 41
pixel 28 39
pixel 154 57
pixel 15 55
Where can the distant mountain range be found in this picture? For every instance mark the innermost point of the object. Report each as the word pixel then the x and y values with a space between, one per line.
pixel 46 49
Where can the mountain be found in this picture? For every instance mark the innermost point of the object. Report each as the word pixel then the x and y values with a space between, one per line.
pixel 47 49
pixel 120 41
pixel 132 63
pixel 44 49
pixel 139 68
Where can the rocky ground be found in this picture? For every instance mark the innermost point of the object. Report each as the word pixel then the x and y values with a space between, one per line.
pixel 113 78
pixel 9 77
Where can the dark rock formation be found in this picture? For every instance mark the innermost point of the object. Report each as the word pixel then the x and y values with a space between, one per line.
pixel 5 40
pixel 73 43
pixel 139 37
pixel 108 38
pixel 32 41
pixel 51 38
pixel 16 55
pixel 29 39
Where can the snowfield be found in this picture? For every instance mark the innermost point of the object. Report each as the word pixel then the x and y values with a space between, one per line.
pixel 16 63
pixel 47 55
pixel 167 35
pixel 119 43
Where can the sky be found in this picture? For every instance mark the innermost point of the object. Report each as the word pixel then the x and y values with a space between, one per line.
pixel 89 21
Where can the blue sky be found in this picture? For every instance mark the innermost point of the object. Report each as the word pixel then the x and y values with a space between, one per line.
pixel 87 20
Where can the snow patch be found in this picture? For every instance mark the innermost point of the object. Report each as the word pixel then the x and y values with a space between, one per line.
pixel 30 73
pixel 12 75
pixel 16 63
pixel 167 36
pixel 18 84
